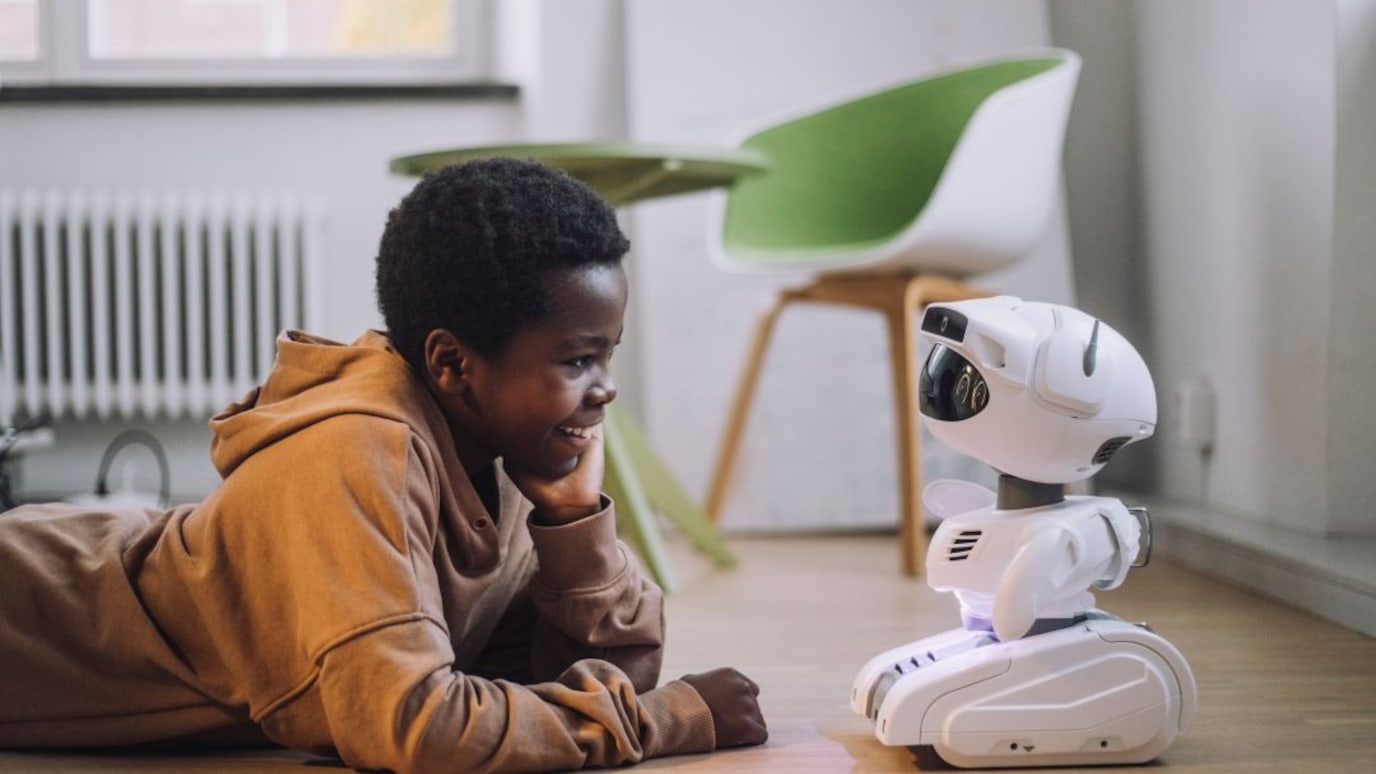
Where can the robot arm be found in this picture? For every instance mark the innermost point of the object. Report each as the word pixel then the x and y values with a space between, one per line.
pixel 1057 561
pixel 1035 576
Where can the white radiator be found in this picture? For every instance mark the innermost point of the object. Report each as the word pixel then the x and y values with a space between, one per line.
pixel 143 304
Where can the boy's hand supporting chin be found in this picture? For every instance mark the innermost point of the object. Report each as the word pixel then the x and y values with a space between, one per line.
pixel 575 496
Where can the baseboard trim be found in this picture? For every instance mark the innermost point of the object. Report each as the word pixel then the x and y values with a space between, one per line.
pixel 1285 576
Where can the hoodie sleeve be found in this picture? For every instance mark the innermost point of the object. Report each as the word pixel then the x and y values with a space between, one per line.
pixel 593 601
pixel 393 702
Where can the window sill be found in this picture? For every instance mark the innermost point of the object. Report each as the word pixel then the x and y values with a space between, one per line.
pixel 128 93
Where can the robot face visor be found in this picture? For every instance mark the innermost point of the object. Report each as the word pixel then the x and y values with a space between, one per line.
pixel 951 388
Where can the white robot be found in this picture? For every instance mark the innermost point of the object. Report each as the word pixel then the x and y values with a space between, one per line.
pixel 1036 676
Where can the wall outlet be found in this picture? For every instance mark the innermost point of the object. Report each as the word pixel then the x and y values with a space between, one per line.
pixel 1192 415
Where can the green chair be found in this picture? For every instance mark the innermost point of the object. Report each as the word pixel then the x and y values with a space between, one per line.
pixel 891 200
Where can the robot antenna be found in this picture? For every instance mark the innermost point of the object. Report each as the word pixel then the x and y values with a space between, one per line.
pixel 1092 351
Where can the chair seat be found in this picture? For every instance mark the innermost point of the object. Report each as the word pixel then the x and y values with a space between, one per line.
pixel 957 174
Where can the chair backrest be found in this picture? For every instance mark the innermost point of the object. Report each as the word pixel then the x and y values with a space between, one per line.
pixel 957 173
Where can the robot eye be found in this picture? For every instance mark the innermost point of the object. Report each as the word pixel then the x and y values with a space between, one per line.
pixel 963 388
pixel 951 388
pixel 979 397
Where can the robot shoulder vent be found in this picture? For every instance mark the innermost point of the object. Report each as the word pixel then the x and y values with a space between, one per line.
pixel 962 544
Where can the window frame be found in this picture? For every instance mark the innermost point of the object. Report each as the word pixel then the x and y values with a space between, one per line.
pixel 64 59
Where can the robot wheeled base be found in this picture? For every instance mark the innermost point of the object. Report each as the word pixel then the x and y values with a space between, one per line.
pixel 1101 691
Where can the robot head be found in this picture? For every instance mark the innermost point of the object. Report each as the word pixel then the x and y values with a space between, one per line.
pixel 1039 391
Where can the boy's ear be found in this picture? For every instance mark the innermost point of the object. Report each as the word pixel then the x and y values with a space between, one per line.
pixel 445 359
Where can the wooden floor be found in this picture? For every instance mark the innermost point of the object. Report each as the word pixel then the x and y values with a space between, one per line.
pixel 1279 690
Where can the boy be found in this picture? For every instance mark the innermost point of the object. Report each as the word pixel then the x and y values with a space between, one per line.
pixel 409 562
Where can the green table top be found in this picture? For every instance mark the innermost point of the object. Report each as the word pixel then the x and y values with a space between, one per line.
pixel 621 172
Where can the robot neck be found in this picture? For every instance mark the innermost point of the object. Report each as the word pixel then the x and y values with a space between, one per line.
pixel 1017 493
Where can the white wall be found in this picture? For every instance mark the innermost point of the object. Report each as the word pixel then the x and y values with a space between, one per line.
pixel 1351 412
pixel 819 450
pixel 1238 153
pixel 1246 192
pixel 1238 148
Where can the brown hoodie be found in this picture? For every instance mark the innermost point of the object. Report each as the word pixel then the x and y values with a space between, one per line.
pixel 345 591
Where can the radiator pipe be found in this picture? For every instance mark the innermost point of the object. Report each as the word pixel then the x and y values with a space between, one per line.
pixel 147 439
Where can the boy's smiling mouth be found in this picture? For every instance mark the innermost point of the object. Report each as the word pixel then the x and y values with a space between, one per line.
pixel 585 433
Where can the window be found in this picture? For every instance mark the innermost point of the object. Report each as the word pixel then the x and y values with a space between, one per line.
pixel 18 31
pixel 241 41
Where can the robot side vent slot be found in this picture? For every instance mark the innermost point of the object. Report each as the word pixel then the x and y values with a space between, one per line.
pixel 963 544
pixel 1108 449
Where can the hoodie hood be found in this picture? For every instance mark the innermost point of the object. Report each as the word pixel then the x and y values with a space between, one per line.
pixel 314 379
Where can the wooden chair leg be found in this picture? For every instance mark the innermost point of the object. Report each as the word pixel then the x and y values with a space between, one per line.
pixel 740 409
pixel 912 536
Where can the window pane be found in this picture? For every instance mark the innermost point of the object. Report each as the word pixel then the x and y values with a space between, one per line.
pixel 269 29
pixel 18 30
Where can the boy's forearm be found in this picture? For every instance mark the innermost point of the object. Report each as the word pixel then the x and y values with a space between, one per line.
pixel 591 591
pixel 552 652
pixel 419 716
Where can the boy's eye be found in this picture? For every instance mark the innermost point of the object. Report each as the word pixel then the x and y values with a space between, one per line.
pixel 584 362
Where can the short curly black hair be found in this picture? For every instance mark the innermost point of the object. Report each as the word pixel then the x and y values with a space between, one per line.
pixel 470 248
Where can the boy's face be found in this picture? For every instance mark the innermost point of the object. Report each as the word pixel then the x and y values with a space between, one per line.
pixel 537 402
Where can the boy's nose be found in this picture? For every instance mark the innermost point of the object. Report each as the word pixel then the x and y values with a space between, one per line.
pixel 603 392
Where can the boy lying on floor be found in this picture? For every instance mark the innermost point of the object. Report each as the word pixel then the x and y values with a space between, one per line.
pixel 409 563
